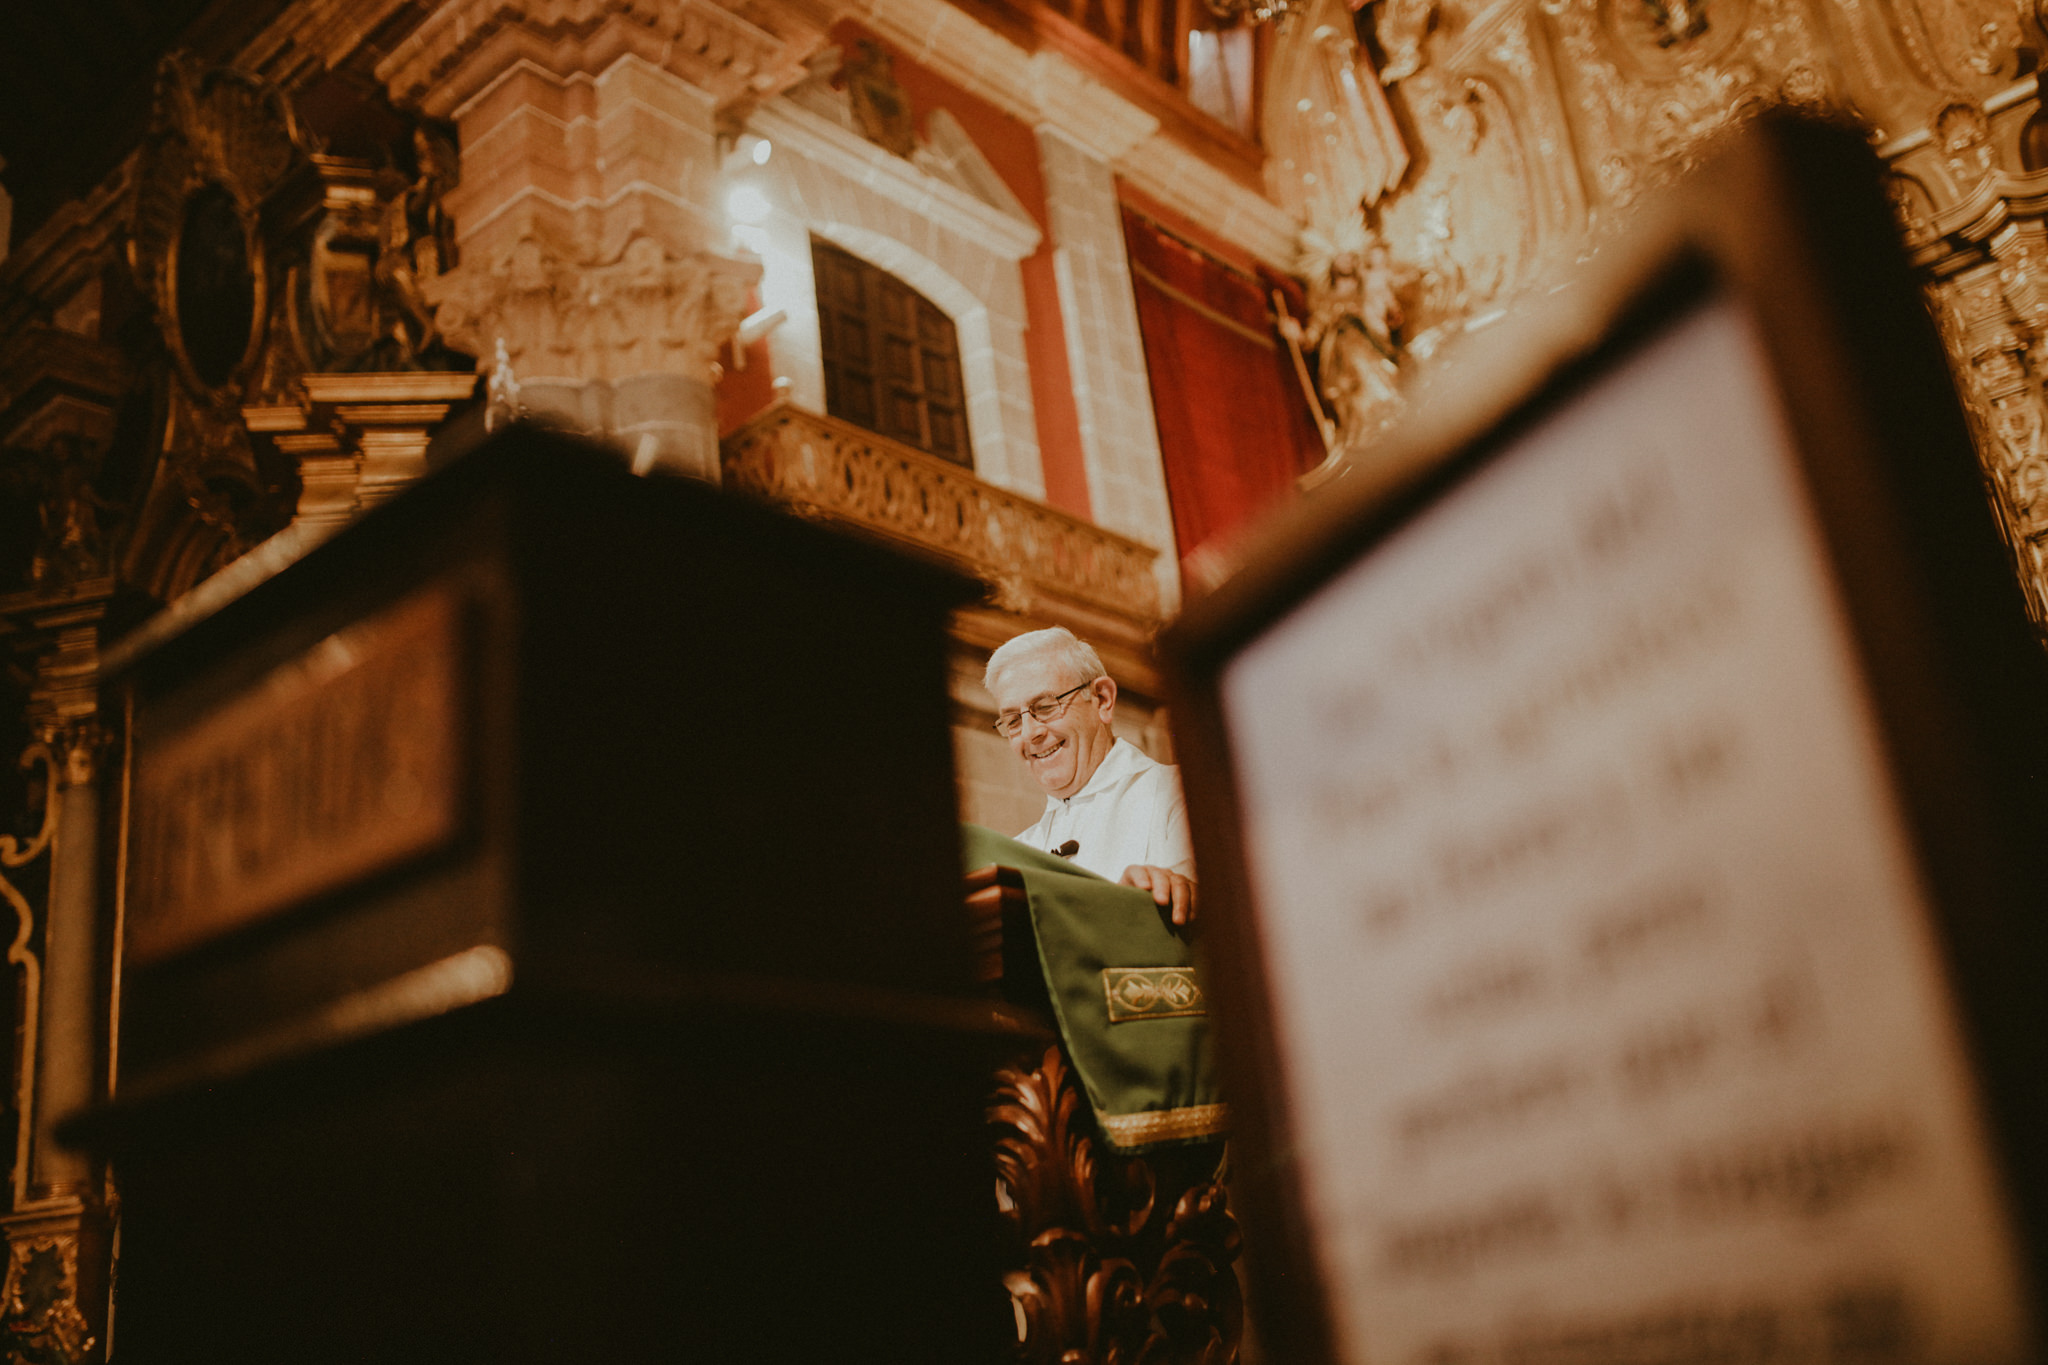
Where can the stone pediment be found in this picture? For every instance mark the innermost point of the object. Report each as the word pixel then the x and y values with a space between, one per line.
pixel 943 150
pixel 959 201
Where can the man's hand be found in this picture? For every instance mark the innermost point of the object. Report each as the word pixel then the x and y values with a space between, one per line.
pixel 1167 888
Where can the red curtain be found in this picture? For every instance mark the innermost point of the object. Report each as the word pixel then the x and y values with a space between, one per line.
pixel 1234 425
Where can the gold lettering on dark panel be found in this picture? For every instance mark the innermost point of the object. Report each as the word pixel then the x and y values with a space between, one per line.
pixel 342 762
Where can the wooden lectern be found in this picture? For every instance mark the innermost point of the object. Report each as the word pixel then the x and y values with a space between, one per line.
pixel 1106 1255
pixel 543 944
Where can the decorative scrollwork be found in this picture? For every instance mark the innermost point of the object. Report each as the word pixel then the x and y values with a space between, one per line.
pixel 648 312
pixel 820 466
pixel 41 1323
pixel 18 853
pixel 1099 1277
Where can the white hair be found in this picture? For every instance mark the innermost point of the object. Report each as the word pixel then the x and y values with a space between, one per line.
pixel 1057 643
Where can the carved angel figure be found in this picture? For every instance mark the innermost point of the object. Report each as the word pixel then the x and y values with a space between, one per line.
pixel 1354 326
pixel 1404 25
pixel 72 541
pixel 1965 137
pixel 1677 21
pixel 415 244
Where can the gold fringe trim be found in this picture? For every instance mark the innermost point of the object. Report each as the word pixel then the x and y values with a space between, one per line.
pixel 1165 1125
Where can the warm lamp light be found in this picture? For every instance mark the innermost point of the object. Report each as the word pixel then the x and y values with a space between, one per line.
pixel 746 204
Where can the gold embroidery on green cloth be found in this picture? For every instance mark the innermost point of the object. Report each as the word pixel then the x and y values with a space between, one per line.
pixel 1166 1125
pixel 1151 993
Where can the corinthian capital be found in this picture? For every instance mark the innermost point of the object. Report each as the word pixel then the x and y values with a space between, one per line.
pixel 77 747
pixel 649 311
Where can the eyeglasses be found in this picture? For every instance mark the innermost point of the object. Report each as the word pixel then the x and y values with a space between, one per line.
pixel 1049 709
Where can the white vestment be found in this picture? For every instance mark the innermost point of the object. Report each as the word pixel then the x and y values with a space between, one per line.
pixel 1130 813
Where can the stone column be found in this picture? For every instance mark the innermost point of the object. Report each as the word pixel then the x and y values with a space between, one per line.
pixel 55 638
pixel 72 1012
pixel 1106 352
pixel 589 235
pixel 65 387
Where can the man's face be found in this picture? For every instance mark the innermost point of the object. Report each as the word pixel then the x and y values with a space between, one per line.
pixel 1064 752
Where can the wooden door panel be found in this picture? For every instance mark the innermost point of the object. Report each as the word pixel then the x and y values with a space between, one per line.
pixel 891 356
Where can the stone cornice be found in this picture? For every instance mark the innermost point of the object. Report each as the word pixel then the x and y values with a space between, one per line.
pixel 709 46
pixel 314 36
pixel 797 130
pixel 1185 182
pixel 1086 112
pixel 63 255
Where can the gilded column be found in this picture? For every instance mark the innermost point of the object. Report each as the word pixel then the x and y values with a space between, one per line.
pixel 589 239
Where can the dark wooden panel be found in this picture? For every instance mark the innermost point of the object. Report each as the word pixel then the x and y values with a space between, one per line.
pixel 892 357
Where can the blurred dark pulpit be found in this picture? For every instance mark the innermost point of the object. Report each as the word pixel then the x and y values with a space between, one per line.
pixel 543 942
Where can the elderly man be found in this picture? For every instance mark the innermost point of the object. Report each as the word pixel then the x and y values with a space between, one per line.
pixel 1121 812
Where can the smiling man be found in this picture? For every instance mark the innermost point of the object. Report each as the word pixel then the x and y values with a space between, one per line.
pixel 1122 810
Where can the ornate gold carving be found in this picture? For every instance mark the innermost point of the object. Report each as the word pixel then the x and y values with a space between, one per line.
pixel 41 1321
pixel 361 272
pixel 823 467
pixel 1099 1276
pixel 72 535
pixel 1354 321
pixel 220 143
pixel 59 394
pixel 877 100
pixel 266 260
pixel 219 146
pixel 1535 127
pixel 15 854
pixel 647 312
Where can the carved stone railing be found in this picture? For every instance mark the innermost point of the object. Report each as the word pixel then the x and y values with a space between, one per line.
pixel 1036 559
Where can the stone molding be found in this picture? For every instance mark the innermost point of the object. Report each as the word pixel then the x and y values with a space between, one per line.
pixel 1085 110
pixel 1037 561
pixel 463 46
pixel 68 252
pixel 851 195
pixel 793 128
pixel 357 439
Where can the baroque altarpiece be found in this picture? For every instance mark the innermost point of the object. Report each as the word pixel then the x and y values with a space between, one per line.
pixel 345 238
pixel 1446 158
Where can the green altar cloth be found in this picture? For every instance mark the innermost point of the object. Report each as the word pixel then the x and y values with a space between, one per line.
pixel 1126 994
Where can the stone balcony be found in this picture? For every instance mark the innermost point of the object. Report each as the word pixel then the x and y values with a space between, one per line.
pixel 1041 565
